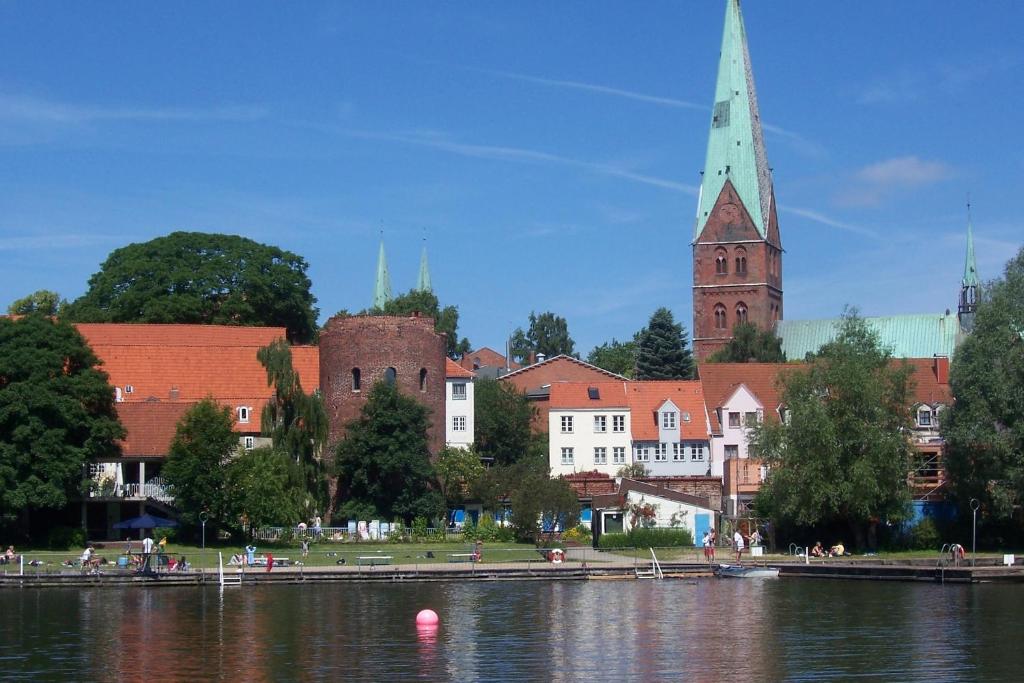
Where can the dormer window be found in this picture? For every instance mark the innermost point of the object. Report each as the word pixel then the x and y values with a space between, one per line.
pixel 243 414
pixel 668 420
pixel 924 416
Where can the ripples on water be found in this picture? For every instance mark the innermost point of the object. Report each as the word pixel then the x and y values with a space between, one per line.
pixel 707 630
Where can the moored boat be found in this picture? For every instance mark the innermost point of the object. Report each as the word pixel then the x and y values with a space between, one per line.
pixel 737 571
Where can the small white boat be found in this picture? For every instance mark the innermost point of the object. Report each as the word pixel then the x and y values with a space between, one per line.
pixel 737 571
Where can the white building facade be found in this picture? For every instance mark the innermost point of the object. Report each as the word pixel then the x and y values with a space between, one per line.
pixel 458 406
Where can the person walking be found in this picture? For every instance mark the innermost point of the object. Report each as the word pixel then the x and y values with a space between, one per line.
pixel 737 541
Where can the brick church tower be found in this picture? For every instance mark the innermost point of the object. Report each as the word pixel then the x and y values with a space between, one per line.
pixel 737 252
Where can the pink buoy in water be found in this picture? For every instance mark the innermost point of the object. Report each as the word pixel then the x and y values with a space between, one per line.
pixel 427 617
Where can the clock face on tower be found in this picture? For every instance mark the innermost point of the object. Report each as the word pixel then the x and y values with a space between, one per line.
pixel 730 213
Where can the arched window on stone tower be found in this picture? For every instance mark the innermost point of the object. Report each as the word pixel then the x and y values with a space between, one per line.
pixel 741 261
pixel 721 262
pixel 719 317
pixel 356 379
pixel 390 375
pixel 741 312
pixel 423 379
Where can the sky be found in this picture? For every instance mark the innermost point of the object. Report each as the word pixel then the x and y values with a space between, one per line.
pixel 548 153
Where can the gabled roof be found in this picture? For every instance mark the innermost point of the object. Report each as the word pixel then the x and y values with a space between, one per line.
pixel 149 427
pixel 488 357
pixel 736 149
pixel 908 336
pixel 454 370
pixel 156 334
pixel 563 358
pixel 927 385
pixel 721 380
pixel 576 396
pixel 628 485
pixel 646 397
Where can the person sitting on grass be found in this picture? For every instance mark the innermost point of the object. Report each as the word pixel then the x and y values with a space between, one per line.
pixel 817 550
pixel 838 550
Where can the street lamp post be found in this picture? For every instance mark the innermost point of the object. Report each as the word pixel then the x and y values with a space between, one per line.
pixel 975 504
pixel 203 516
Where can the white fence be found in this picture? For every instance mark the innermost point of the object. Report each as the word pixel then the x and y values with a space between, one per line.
pixel 157 491
pixel 369 532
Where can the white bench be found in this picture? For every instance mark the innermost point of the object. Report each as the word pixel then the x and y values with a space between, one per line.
pixel 278 562
pixel 373 559
pixel 462 557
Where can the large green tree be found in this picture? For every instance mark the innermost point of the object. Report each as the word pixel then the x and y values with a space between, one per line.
pixel 383 463
pixel 662 349
pixel 984 428
pixel 296 423
pixel 446 319
pixel 41 301
pixel 502 417
pixel 750 344
pixel 548 334
pixel 615 356
pixel 538 499
pixel 457 470
pixel 843 455
pixel 259 487
pixel 197 464
pixel 56 414
pixel 194 277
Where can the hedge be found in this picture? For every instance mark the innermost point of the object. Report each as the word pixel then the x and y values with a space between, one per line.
pixel 647 538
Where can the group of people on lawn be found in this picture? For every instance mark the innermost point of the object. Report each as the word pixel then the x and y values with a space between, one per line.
pixel 740 542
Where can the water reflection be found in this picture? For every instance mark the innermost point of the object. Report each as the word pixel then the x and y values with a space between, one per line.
pixel 704 630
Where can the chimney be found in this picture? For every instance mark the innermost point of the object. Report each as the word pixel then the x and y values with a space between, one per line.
pixel 941 368
pixel 531 359
pixel 541 357
pixel 173 394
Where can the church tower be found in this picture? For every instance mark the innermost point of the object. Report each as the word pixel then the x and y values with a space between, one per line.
pixel 737 252
pixel 970 285
pixel 382 285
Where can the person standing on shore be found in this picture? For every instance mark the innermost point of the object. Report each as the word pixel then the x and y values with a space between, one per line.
pixel 713 540
pixel 147 551
pixel 737 541
pixel 250 554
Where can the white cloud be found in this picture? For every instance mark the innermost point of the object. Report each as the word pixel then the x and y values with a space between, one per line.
pixel 819 217
pixel 35 109
pixel 877 182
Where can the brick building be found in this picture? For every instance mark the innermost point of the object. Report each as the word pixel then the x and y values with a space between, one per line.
pixel 737 250
pixel 357 352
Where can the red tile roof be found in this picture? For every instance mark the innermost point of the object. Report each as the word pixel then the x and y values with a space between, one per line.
pixel 927 385
pixel 306 361
pixel 453 369
pixel 646 397
pixel 575 395
pixel 151 334
pixel 722 379
pixel 486 358
pixel 150 427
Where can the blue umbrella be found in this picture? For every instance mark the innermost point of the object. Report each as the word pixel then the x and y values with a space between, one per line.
pixel 145 522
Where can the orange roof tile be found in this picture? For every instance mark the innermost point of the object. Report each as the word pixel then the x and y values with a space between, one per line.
pixel 575 396
pixel 927 387
pixel 453 369
pixel 153 334
pixel 306 361
pixel 562 358
pixel 722 379
pixel 646 397
pixel 485 357
pixel 150 427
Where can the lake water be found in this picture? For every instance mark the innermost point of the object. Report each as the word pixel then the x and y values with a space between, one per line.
pixel 705 630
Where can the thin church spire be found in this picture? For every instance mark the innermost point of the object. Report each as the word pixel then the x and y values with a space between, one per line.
pixel 970 285
pixel 423 281
pixel 382 286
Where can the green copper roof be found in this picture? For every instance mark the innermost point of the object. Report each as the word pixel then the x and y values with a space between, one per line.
pixel 423 282
pixel 970 266
pixel 382 288
pixel 907 336
pixel 735 142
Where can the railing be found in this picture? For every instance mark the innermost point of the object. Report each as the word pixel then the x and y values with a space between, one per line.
pixel 156 491
pixel 343 534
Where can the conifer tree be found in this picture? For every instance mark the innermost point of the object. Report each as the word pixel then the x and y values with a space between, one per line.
pixel 662 351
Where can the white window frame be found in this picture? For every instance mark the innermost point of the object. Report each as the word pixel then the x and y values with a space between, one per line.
pixel 696 452
pixel 618 424
pixel 668 420
pixel 244 414
pixel 660 452
pixel 458 423
pixel 726 451
pixel 600 424
pixel 567 424
pixel 600 455
pixel 738 423
pixel 678 452
pixel 643 453
pixel 459 391
pixel 618 455
pixel 924 410
pixel 249 442
pixel 568 455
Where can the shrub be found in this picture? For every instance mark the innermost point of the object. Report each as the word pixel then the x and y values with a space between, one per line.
pixel 170 533
pixel 420 529
pixel 65 537
pixel 925 535
pixel 579 534
pixel 648 538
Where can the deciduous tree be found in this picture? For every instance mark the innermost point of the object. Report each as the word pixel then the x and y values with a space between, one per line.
pixel 383 464
pixel 56 414
pixel 538 499
pixel 446 319
pixel 662 351
pixel 42 301
pixel 984 428
pixel 197 463
pixel 548 334
pixel 750 344
pixel 259 485
pixel 502 421
pixel 618 357
pixel 844 455
pixel 457 470
pixel 193 277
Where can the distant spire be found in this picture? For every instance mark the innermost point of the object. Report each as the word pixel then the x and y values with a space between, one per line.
pixel 970 285
pixel 736 149
pixel 423 282
pixel 382 288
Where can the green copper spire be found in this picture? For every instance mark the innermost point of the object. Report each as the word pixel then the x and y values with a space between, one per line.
pixel 382 288
pixel 736 142
pixel 423 282
pixel 970 286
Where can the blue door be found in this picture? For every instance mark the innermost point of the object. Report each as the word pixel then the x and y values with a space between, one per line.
pixel 702 524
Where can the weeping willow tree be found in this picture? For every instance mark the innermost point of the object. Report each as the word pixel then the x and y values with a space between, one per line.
pixel 296 423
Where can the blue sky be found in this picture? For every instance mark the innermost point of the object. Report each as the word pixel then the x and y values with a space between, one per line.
pixel 549 151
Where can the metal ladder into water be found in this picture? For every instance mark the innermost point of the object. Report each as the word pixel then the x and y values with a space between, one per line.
pixel 224 579
pixel 654 572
